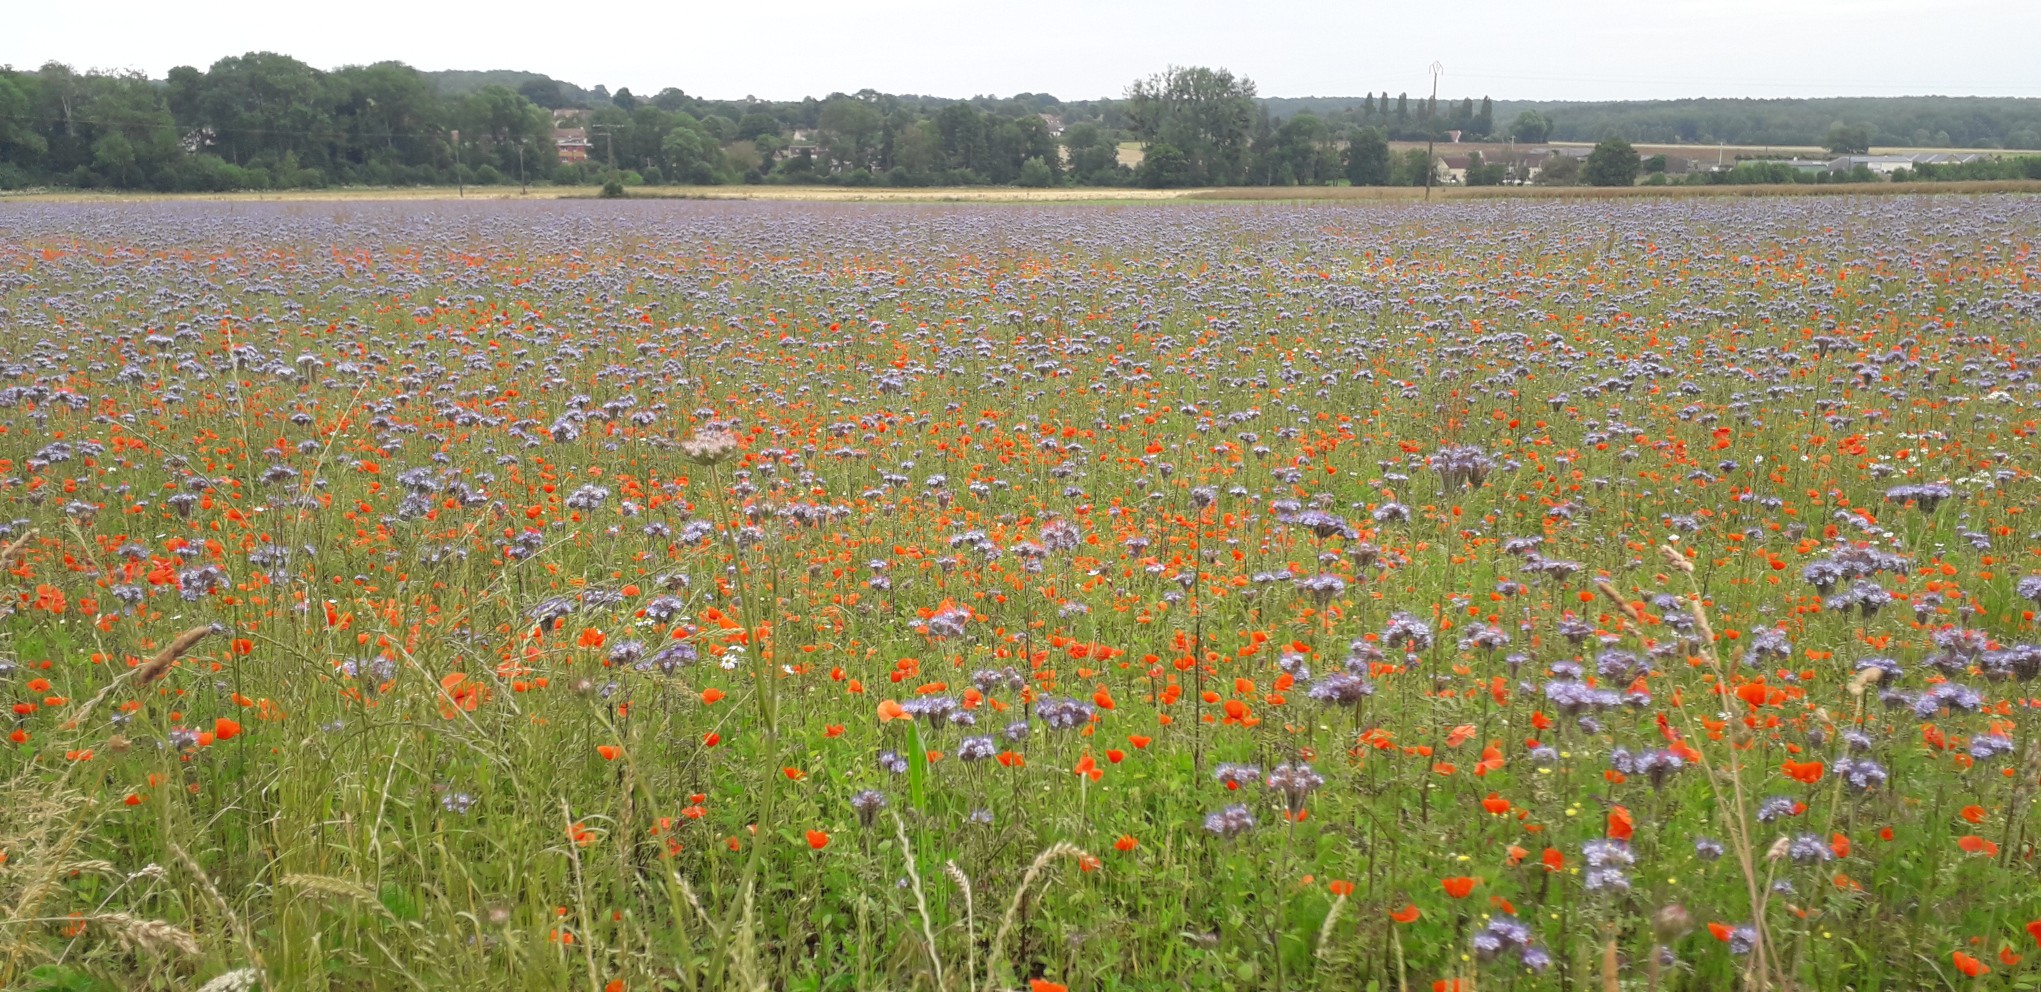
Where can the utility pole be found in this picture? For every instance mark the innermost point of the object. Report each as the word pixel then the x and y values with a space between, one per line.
pixel 521 189
pixel 460 181
pixel 608 142
pixel 1432 134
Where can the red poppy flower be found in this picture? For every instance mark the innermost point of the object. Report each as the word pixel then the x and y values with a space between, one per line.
pixel 1973 844
pixel 1805 772
pixel 1621 825
pixel 1458 886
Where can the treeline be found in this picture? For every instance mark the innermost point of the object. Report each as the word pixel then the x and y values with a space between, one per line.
pixel 1898 122
pixel 268 121
pixel 262 121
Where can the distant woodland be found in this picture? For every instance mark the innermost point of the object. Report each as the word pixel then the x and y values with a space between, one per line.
pixel 268 121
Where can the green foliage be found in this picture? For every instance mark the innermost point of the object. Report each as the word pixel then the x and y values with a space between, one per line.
pixel 1413 167
pixel 1612 163
pixel 1913 121
pixel 1483 173
pixel 2015 167
pixel 1037 173
pixel 690 152
pixel 1165 167
pixel 59 978
pixel 264 120
pixel 1559 170
pixel 1848 139
pixel 1206 116
pixel 1094 158
pixel 1367 161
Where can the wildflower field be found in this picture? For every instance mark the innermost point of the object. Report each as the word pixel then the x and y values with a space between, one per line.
pixel 693 596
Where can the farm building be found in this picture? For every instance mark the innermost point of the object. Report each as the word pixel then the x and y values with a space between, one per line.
pixel 1804 166
pixel 572 143
pixel 1883 165
pixel 1947 158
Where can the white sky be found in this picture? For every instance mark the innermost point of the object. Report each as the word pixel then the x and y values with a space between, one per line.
pixel 783 49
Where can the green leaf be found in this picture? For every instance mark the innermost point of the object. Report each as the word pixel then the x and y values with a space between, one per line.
pixel 60 978
pixel 399 902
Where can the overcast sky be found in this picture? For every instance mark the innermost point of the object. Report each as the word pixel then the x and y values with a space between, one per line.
pixel 1509 49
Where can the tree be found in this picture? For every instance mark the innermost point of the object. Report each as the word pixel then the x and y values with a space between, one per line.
pixel 1367 162
pixel 1612 163
pixel 262 104
pixel 20 145
pixel 673 99
pixel 1484 120
pixel 624 99
pixel 1849 139
pixel 1559 170
pixel 388 119
pixel 1296 148
pixel 1094 160
pixel 1164 167
pixel 691 154
pixel 962 130
pixel 1412 167
pixel 1531 127
pixel 1035 172
pixel 1483 173
pixel 541 92
pixel 495 123
pixel 1033 141
pixel 1402 106
pixel 849 132
pixel 917 151
pixel 755 124
pixel 1206 115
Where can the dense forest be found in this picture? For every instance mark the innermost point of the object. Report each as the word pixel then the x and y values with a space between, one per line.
pixel 268 121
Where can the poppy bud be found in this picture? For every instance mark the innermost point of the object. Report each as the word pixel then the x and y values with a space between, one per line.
pixel 1671 922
